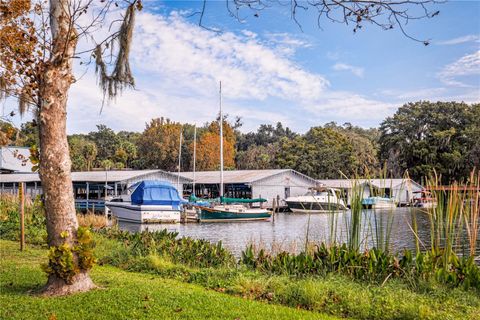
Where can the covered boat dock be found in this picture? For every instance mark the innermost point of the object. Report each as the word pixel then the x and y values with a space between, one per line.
pixel 92 187
pixel 402 190
pixel 269 184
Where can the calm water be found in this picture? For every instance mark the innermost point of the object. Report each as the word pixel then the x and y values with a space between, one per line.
pixel 288 231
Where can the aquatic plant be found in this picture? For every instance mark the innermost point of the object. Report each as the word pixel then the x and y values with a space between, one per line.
pixel 373 265
pixel 192 252
pixel 453 224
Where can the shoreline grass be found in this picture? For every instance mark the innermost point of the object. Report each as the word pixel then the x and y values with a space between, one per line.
pixel 142 288
pixel 123 295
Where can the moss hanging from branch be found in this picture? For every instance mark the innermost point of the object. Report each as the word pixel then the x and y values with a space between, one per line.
pixel 3 88
pixel 121 77
pixel 23 102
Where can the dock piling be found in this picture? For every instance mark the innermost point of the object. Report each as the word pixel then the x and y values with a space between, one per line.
pixel 21 196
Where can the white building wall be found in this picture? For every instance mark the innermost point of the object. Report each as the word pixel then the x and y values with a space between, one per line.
pixel 279 185
pixel 404 192
pixel 16 159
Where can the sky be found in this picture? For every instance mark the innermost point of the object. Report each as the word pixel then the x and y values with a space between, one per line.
pixel 274 70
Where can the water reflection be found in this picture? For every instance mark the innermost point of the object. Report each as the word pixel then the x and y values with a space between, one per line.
pixel 289 231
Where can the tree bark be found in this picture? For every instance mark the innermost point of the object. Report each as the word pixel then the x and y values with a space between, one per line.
pixel 55 164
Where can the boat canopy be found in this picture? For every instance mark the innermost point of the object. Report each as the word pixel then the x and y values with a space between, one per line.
pixel 152 192
pixel 193 200
pixel 239 200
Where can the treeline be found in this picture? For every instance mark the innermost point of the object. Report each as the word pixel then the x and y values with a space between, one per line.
pixel 422 138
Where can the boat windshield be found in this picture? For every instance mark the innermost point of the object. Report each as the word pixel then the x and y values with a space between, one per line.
pixel 317 193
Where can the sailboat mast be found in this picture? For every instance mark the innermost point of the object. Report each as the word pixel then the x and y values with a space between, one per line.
pixel 221 142
pixel 194 155
pixel 179 157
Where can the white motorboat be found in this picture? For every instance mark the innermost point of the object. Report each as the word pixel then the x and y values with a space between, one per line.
pixel 150 202
pixel 426 200
pixel 379 203
pixel 318 199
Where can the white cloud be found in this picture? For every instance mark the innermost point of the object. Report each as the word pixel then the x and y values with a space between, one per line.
pixel 174 49
pixel 351 107
pixel 357 71
pixel 286 43
pixel 177 66
pixel 460 40
pixel 417 94
pixel 468 65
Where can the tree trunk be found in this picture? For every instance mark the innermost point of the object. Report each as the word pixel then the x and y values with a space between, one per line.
pixel 55 164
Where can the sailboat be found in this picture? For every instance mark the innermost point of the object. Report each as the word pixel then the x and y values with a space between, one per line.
pixel 231 209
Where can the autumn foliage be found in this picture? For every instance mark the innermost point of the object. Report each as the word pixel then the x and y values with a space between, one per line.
pixel 208 147
pixel 21 53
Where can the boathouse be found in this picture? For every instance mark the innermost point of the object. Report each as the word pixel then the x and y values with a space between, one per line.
pixel 91 187
pixel 402 190
pixel 268 184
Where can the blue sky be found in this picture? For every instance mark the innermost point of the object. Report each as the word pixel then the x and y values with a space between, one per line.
pixel 273 71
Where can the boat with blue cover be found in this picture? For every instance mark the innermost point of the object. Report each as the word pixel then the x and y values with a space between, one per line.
pixel 150 201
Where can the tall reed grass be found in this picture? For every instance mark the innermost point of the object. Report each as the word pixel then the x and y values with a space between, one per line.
pixel 454 221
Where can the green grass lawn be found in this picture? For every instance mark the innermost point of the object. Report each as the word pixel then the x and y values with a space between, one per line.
pixel 124 295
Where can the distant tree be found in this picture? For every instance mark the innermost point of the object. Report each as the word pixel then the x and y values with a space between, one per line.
pixel 208 147
pixel 296 154
pixel 8 133
pixel 107 164
pixel 365 148
pixel 424 136
pixel 257 157
pixel 106 140
pixel 126 153
pixel 266 134
pixel 321 153
pixel 159 144
pixel 129 136
pixel 83 153
pixel 28 135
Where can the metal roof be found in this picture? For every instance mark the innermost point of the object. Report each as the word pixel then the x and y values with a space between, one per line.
pixel 92 176
pixel 15 159
pixel 378 183
pixel 237 176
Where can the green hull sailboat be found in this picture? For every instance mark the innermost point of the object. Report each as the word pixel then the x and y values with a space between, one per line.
pixel 232 209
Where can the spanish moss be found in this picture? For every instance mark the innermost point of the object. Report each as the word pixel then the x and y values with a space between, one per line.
pixel 121 77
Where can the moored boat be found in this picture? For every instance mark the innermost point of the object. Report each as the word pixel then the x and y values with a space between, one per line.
pixel 319 199
pixel 232 209
pixel 379 203
pixel 426 200
pixel 150 202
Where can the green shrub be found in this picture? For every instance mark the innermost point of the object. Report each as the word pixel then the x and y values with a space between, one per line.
pixel 35 227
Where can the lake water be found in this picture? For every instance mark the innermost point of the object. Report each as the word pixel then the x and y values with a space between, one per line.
pixel 289 231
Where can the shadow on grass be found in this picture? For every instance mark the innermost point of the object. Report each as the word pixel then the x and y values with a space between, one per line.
pixel 23 289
